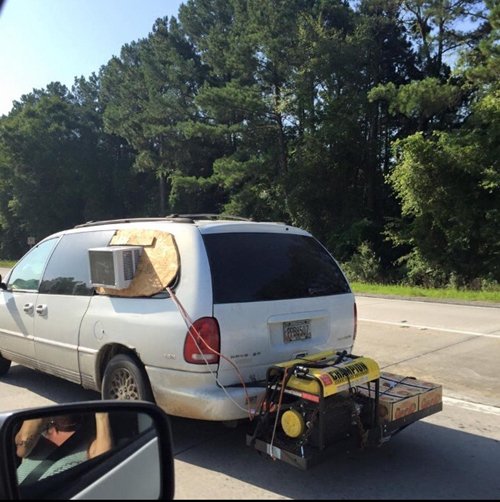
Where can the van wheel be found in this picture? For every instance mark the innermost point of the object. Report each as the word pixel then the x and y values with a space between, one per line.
pixel 4 365
pixel 125 379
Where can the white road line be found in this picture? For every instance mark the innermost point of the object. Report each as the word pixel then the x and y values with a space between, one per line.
pixel 427 302
pixel 460 332
pixel 483 408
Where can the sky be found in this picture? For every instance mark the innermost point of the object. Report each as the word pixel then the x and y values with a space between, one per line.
pixel 43 41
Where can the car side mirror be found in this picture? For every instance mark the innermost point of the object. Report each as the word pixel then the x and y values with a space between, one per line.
pixel 87 450
pixel 2 284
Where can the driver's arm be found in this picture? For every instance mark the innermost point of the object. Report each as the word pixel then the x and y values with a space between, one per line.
pixel 28 435
pixel 104 440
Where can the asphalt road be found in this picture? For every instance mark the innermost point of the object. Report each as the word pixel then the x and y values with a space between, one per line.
pixel 455 345
pixel 454 454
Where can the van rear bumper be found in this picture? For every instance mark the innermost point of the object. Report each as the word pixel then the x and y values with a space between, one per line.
pixel 197 395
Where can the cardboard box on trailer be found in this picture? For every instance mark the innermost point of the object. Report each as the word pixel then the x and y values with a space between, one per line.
pixel 429 393
pixel 401 396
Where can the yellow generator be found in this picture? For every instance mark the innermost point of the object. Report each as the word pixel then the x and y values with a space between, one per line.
pixel 312 405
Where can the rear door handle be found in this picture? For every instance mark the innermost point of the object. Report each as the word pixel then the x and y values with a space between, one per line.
pixel 41 309
pixel 28 308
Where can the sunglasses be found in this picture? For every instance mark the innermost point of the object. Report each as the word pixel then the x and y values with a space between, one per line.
pixel 61 426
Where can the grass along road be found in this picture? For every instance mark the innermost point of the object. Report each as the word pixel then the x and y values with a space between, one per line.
pixel 438 294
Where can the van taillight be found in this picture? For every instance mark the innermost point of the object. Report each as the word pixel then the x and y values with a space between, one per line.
pixel 355 332
pixel 202 344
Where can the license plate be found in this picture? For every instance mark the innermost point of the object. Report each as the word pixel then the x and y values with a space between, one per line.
pixel 296 330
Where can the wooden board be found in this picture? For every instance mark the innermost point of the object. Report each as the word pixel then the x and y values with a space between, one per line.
pixel 157 267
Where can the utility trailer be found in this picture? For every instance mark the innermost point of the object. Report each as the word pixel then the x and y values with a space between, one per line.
pixel 313 405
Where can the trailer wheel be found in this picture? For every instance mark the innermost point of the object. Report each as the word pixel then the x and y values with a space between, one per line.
pixel 4 365
pixel 125 379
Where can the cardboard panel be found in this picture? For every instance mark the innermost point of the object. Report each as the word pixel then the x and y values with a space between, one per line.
pixel 157 267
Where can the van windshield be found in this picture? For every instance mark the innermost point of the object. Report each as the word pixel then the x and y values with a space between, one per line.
pixel 252 267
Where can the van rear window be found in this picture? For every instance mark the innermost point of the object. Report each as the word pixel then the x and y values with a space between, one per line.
pixel 252 267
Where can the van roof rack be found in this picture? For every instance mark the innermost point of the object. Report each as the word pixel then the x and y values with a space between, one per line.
pixel 208 216
pixel 179 218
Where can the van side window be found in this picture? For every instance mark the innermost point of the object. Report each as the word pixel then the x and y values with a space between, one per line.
pixel 28 271
pixel 68 271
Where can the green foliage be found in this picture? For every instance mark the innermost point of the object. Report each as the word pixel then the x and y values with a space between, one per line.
pixel 364 266
pixel 149 94
pixel 420 99
pixel 193 195
pixel 448 185
pixel 40 148
pixel 446 176
pixel 437 28
pixel 340 117
pixel 57 168
pixel 419 272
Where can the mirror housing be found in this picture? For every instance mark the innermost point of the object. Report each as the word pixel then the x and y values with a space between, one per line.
pixel 2 284
pixel 128 452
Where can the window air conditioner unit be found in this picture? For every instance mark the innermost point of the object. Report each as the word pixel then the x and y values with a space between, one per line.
pixel 113 266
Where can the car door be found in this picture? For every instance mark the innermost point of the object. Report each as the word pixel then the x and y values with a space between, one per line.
pixel 17 304
pixel 63 299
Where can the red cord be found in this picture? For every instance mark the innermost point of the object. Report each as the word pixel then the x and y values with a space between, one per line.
pixel 191 328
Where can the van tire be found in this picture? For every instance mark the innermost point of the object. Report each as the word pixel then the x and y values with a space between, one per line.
pixel 125 379
pixel 4 365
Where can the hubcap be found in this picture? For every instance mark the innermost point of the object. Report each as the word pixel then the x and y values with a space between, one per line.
pixel 123 386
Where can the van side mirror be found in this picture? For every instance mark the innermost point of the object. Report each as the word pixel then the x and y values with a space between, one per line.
pixel 89 450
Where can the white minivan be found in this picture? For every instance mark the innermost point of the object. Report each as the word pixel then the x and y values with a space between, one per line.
pixel 240 296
